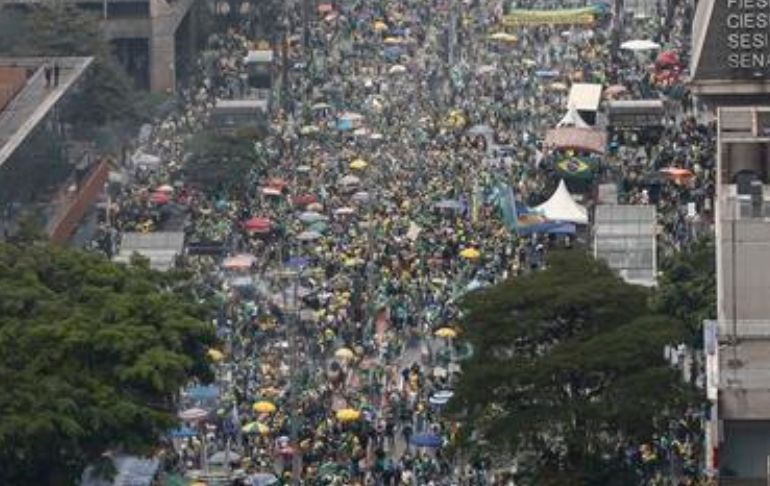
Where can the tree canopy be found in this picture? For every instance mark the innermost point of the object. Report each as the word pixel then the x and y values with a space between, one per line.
pixel 223 160
pixel 568 369
pixel 687 286
pixel 92 355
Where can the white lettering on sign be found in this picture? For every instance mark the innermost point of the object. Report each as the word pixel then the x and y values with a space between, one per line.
pixel 748 34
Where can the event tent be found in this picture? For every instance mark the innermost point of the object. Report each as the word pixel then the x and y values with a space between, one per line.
pixel 561 207
pixel 572 119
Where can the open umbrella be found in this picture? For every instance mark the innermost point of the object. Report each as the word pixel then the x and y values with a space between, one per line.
pixel 640 45
pixel 325 8
pixel 164 188
pixel 470 254
pixel 427 440
pixel 309 130
pixel 358 164
pixel 258 225
pixel 480 131
pixel 263 479
pixel 312 217
pixel 360 196
pixel 397 69
pixel 264 406
pixel 394 41
pixel 349 180
pixel 308 236
pixel 445 332
pixel 304 200
pixel 317 207
pixel 344 353
pixel 379 26
pixel 348 415
pixel 271 191
pixel 193 414
pixel 503 37
pixel 344 211
pixel 215 355
pixel 321 106
pixel 160 198
pixel 236 262
pixel 448 204
pixel 615 90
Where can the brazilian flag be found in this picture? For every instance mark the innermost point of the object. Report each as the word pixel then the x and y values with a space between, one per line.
pixel 575 167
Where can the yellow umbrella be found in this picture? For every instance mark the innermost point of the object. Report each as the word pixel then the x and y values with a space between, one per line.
pixel 264 407
pixel 445 332
pixel 198 483
pixel 470 254
pixel 216 355
pixel 379 26
pixel 358 164
pixel 393 40
pixel 348 415
pixel 503 36
pixel 344 353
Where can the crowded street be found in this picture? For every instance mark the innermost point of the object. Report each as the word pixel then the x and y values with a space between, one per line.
pixel 400 134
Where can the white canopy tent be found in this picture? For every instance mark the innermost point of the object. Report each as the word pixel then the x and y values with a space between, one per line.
pixel 561 207
pixel 572 119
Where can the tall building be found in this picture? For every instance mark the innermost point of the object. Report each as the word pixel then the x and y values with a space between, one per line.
pixel 731 80
pixel 148 36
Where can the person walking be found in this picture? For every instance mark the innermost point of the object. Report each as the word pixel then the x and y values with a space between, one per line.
pixel 56 72
pixel 47 71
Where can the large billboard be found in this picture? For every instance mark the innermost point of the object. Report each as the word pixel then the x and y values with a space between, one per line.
pixel 736 41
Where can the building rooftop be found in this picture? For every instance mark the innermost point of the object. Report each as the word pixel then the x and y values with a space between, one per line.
pixel 32 101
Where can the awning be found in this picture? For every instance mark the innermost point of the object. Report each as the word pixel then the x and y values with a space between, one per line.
pixel 574 138
pixel 585 96
pixel 562 208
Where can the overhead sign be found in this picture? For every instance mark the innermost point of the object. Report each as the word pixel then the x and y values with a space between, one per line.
pixel 736 43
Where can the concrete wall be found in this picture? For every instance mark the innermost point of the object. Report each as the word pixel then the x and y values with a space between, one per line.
pixel 744 256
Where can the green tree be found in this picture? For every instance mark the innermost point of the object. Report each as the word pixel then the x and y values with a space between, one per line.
pixel 687 286
pixel 92 356
pixel 224 160
pixel 568 368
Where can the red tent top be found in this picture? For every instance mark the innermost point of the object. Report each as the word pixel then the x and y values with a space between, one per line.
pixel 574 138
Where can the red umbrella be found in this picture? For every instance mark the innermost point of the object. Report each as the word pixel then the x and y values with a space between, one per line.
pixel 258 225
pixel 277 183
pixel 304 199
pixel 667 58
pixel 160 198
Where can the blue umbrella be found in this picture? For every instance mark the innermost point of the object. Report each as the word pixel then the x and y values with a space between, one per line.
pixel 427 440
pixel 297 262
pixel 182 433
pixel 202 392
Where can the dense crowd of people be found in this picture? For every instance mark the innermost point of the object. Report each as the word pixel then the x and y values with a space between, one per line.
pixel 371 210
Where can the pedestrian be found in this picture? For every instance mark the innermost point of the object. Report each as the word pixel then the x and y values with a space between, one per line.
pixel 47 71
pixel 56 72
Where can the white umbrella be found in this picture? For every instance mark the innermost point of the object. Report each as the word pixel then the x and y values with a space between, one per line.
pixel 344 211
pixel 308 236
pixel 312 217
pixel 350 180
pixel 361 196
pixel 140 158
pixel 640 45
pixel 397 69
pixel 193 414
